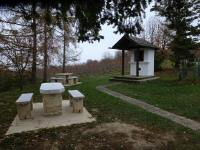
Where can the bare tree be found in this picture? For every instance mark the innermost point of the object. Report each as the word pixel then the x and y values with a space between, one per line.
pixel 25 17
pixel 157 33
pixel 45 38
pixel 15 52
pixel 66 33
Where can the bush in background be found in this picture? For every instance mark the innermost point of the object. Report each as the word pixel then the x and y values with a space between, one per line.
pixel 7 80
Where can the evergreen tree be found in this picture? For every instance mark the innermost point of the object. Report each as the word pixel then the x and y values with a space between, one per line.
pixel 180 18
pixel 125 15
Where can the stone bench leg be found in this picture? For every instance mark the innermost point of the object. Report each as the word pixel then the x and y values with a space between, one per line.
pixel 75 80
pixel 70 100
pixel 70 81
pixel 52 104
pixel 24 110
pixel 31 105
pixel 67 81
pixel 77 105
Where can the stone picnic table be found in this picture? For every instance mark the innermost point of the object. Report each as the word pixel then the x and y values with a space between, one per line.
pixel 52 98
pixel 58 79
pixel 65 76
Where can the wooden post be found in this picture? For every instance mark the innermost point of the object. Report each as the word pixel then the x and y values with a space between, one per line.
pixel 122 62
pixel 137 62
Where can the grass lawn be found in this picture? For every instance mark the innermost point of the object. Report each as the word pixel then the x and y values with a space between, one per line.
pixel 106 109
pixel 182 98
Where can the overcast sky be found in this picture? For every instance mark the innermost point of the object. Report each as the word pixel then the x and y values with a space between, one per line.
pixel 96 50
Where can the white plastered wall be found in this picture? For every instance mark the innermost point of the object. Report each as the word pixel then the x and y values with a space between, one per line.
pixel 147 66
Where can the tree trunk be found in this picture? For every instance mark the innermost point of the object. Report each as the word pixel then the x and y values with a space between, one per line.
pixel 45 53
pixel 64 46
pixel 34 50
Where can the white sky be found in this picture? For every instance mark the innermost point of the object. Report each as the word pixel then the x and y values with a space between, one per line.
pixel 96 50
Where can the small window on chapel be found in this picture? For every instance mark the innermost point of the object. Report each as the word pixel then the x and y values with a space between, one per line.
pixel 140 56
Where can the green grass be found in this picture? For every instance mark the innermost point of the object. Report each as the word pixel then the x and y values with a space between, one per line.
pixel 110 109
pixel 182 98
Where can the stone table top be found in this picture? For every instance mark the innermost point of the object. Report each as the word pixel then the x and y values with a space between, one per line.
pixel 51 88
pixel 72 77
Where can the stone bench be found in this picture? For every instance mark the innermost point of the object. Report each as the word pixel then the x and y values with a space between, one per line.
pixel 58 79
pixel 24 106
pixel 76 100
pixel 72 80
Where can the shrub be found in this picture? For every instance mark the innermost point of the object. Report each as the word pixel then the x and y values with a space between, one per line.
pixel 7 80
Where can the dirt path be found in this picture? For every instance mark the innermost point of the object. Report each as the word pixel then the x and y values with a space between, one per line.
pixel 118 135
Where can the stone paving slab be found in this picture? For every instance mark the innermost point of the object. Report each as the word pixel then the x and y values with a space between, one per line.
pixel 194 125
pixel 40 121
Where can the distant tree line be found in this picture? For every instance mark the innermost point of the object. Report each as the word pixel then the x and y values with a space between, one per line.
pixel 107 65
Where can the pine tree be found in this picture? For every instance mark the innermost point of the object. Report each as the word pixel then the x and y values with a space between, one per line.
pixel 180 18
pixel 125 15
